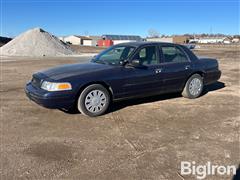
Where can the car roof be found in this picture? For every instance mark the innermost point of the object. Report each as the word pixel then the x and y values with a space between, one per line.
pixel 141 43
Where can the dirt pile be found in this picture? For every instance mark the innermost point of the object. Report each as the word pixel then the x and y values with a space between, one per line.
pixel 36 42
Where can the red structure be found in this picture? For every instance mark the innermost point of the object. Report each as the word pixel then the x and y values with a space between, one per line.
pixel 105 43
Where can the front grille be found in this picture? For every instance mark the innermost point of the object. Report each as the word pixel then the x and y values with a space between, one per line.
pixel 36 82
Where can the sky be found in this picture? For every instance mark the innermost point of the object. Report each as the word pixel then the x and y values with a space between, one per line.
pixel 129 17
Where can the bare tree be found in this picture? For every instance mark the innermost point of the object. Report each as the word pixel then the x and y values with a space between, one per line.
pixel 86 33
pixel 153 33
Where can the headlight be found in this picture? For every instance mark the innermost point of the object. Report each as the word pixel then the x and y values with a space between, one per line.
pixel 52 86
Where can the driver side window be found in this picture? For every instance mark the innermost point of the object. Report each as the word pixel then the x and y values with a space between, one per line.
pixel 147 55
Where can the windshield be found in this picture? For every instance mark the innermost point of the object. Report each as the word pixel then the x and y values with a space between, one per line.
pixel 114 55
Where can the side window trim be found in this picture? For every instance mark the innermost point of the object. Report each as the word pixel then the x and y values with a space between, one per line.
pixel 160 54
pixel 144 46
pixel 182 50
pixel 176 46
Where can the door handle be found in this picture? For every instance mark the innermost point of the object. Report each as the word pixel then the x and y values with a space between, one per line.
pixel 157 71
pixel 187 67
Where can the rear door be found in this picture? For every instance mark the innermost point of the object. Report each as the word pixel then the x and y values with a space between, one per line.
pixel 176 67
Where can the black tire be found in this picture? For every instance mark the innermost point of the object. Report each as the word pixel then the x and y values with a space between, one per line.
pixel 187 92
pixel 89 91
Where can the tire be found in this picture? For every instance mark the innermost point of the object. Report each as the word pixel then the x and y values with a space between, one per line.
pixel 193 87
pixel 94 100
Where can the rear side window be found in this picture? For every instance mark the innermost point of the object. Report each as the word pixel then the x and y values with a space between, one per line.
pixel 173 54
pixel 147 55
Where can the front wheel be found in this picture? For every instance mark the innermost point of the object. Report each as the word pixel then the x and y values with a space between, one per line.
pixel 193 87
pixel 94 100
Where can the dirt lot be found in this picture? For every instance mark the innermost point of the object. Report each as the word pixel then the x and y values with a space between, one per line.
pixel 138 139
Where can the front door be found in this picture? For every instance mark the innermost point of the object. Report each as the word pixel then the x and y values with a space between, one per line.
pixel 146 78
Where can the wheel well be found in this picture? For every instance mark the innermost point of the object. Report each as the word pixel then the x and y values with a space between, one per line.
pixel 200 73
pixel 108 88
pixel 197 72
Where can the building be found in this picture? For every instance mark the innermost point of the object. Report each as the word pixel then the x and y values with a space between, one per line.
pixel 77 40
pixel 161 39
pixel 173 39
pixel 94 39
pixel 195 40
pixel 180 39
pixel 235 40
pixel 227 41
pixel 214 40
pixel 116 39
pixel 105 43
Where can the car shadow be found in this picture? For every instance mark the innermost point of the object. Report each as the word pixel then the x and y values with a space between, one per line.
pixel 136 101
pixel 213 87
pixel 122 104
pixel 115 106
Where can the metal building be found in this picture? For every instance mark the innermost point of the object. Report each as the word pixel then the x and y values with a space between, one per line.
pixel 121 38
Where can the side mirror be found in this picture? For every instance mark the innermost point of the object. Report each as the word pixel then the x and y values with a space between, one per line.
pixel 136 63
pixel 123 62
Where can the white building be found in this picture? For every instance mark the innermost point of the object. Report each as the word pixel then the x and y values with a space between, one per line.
pixel 94 39
pixel 227 41
pixel 235 40
pixel 193 40
pixel 77 40
pixel 214 40
pixel 162 39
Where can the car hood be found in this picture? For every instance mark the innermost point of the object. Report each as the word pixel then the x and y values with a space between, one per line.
pixel 65 71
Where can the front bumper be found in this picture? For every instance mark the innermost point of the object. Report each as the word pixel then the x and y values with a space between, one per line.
pixel 52 100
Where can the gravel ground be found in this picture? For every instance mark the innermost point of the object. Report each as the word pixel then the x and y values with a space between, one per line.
pixel 138 139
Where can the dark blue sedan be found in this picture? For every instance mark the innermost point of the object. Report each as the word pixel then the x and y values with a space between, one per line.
pixel 123 71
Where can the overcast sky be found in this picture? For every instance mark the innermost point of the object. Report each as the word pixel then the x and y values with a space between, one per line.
pixel 65 17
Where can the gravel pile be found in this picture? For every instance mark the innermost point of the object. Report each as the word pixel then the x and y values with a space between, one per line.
pixel 36 42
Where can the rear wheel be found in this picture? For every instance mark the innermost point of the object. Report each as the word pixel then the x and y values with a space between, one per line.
pixel 193 87
pixel 94 100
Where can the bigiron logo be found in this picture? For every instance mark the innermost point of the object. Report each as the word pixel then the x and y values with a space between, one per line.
pixel 208 169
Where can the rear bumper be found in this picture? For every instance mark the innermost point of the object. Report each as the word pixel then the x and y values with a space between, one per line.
pixel 212 77
pixel 52 100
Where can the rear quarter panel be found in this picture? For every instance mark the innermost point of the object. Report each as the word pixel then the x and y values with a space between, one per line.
pixel 209 67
